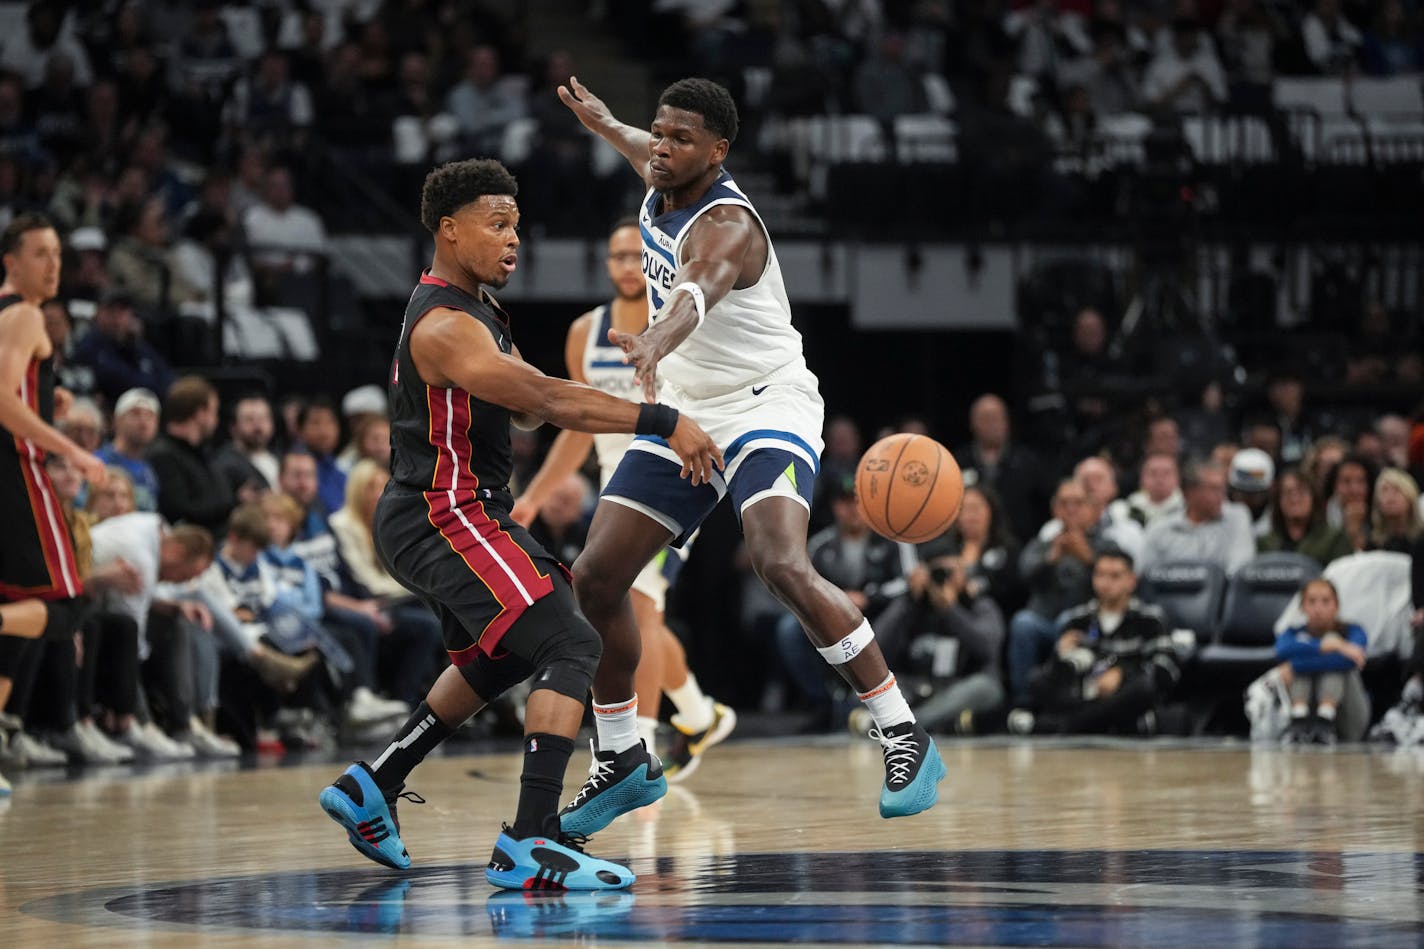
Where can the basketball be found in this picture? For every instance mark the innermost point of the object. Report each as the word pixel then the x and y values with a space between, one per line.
pixel 908 488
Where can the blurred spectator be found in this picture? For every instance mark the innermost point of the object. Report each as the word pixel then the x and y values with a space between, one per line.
pixel 78 379
pixel 247 459
pixel 953 643
pixel 48 34
pixel 1206 530
pixel 114 498
pixel 1057 572
pixel 1159 493
pixel 1321 653
pixel 1379 351
pixel 1393 432
pixel 135 428
pixel 1185 75
pixel 869 569
pixel 206 58
pixel 559 194
pixel 17 131
pixel 1298 521
pixel 1285 393
pixel 319 430
pixel 361 407
pixel 1349 490
pixel 268 106
pixel 1321 458
pixel 1395 522
pixel 885 85
pixel 348 112
pixel 1332 43
pixel 116 351
pixel 1099 482
pixel 484 102
pixel 190 488
pixel 1106 76
pixel 1248 483
pixel 142 262
pixel 90 279
pixel 84 425
pixel 1014 472
pixel 282 234
pixel 984 546
pixel 561 526
pixel 1391 48
pixel 1043 41
pixel 1112 667
pixel 1261 434
pixel 57 108
pixel 1164 437
pixel 1249 31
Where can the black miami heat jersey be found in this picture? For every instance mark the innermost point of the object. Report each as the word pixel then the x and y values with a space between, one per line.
pixel 37 557
pixel 446 439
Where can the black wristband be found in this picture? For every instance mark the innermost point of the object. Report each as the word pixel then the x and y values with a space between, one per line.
pixel 654 418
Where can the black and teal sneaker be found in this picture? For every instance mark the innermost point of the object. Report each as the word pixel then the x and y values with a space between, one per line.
pixel 617 784
pixel 913 770
pixel 354 802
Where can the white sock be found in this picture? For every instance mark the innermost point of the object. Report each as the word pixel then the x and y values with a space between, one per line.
pixel 617 725
pixel 1326 712
pixel 648 731
pixel 1298 710
pixel 887 704
pixel 694 709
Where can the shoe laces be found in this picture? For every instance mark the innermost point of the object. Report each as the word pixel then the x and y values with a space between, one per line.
pixel 598 774
pixel 901 753
pixel 574 841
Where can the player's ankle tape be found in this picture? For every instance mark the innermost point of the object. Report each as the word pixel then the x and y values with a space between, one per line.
pixel 849 646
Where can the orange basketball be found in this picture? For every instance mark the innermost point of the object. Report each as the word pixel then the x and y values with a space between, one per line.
pixel 909 487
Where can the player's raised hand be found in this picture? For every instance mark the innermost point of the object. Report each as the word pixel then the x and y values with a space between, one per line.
pixel 588 107
pixel 639 353
pixel 699 453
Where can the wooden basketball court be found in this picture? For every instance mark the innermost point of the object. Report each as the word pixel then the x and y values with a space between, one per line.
pixel 771 842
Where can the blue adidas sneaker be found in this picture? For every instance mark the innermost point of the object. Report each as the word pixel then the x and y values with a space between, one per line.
pixel 913 770
pixel 354 802
pixel 617 784
pixel 544 863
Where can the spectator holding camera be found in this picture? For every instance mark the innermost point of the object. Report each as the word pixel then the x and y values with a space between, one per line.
pixel 1112 666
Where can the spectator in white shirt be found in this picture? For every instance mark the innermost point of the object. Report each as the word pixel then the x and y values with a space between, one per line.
pixel 48 31
pixel 279 230
pixel 1331 42
pixel 1160 492
pixel 483 102
pixel 1185 76
pixel 1209 529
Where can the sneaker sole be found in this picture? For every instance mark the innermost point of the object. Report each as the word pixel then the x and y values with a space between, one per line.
pixel 922 794
pixel 631 793
pixel 340 809
pixel 555 876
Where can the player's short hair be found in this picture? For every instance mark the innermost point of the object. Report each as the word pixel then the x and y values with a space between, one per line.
pixel 196 542
pixel 18 227
pixel 708 99
pixel 186 397
pixel 451 186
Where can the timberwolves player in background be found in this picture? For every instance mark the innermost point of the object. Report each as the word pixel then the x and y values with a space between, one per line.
pixel 39 580
pixel 442 528
pixel 699 722
pixel 721 348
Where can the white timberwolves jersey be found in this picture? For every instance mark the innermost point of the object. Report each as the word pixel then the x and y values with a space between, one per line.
pixel 748 335
pixel 604 369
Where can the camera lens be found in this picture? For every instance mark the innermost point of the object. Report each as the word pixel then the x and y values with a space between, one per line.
pixel 939 574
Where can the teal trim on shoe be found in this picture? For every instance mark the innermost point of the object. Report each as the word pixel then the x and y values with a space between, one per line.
pixel 920 794
pixel 542 863
pixel 370 826
pixel 589 813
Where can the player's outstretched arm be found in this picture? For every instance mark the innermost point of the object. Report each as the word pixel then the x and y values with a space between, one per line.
pixel 632 143
pixel 450 349
pixel 715 255
pixel 571 448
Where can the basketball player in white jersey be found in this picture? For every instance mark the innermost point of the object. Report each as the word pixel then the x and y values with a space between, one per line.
pixel 699 722
pixel 720 347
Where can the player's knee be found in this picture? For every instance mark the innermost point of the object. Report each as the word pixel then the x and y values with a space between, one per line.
pixel 784 574
pixel 568 662
pixel 597 590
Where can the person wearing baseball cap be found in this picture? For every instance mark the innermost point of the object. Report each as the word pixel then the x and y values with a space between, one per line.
pixel 135 428
pixel 1248 483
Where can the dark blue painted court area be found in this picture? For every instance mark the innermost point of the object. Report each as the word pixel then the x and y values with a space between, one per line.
pixel 983 898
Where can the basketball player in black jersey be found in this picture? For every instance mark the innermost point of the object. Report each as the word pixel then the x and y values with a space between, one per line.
pixel 39 580
pixel 443 529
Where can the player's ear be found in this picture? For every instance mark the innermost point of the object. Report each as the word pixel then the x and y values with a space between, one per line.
pixel 447 228
pixel 719 151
